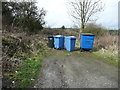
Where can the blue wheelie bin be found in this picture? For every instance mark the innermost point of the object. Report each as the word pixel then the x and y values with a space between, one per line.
pixel 70 43
pixel 59 42
pixel 87 40
pixel 65 41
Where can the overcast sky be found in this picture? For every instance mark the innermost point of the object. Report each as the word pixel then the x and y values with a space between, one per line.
pixel 57 13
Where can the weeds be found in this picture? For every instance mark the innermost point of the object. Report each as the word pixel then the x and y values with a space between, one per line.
pixel 106 48
pixel 28 71
pixel 22 57
pixel 106 58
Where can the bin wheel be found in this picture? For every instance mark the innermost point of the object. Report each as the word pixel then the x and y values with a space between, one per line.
pixel 90 50
pixel 81 50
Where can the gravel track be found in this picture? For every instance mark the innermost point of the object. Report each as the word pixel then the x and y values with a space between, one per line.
pixel 76 72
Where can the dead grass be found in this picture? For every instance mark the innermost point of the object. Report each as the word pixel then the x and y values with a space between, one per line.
pixel 107 47
pixel 107 43
pixel 106 40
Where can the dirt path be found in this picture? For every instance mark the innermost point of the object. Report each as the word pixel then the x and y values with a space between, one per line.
pixel 76 72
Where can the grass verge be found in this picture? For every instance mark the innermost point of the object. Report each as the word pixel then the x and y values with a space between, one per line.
pixel 106 58
pixel 97 55
pixel 28 70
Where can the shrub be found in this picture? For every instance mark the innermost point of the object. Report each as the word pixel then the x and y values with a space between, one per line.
pixel 25 15
pixel 94 29
pixel 106 41
pixel 63 27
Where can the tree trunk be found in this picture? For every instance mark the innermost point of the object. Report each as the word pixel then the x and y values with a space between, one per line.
pixel 82 28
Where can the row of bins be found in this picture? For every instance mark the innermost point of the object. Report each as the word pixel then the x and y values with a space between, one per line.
pixel 68 42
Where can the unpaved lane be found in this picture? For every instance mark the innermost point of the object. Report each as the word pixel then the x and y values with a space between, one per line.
pixel 76 72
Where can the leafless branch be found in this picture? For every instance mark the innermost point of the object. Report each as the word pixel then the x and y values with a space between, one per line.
pixel 83 10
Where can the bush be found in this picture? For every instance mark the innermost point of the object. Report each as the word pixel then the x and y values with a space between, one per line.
pixel 25 15
pixel 106 41
pixel 63 27
pixel 94 29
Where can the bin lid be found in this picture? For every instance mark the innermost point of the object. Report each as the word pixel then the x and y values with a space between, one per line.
pixel 66 36
pixel 58 36
pixel 71 37
pixel 87 34
pixel 50 36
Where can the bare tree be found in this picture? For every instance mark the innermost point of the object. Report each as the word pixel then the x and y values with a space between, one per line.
pixel 83 10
